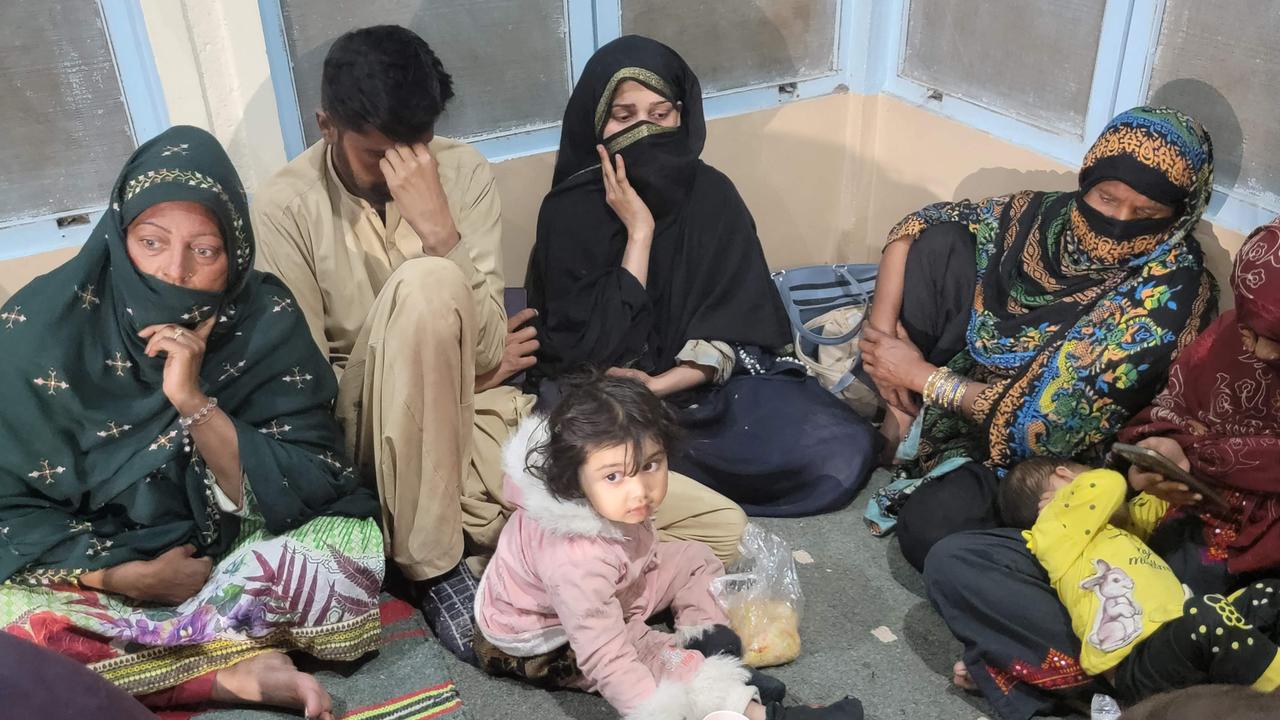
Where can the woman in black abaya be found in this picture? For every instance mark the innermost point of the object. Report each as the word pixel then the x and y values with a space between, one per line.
pixel 647 264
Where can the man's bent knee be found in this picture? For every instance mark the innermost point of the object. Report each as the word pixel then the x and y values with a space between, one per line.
pixel 728 522
pixel 430 282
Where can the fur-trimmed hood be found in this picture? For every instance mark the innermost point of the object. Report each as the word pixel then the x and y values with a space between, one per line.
pixel 529 493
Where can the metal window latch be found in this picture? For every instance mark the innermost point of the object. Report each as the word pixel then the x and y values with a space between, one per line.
pixel 786 90
pixel 934 94
pixel 68 221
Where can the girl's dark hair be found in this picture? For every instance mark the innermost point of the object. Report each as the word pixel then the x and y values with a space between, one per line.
pixel 598 411
pixel 387 78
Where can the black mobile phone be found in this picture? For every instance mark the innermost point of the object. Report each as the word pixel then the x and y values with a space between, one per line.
pixel 1152 461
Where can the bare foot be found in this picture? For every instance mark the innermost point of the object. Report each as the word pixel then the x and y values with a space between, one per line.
pixel 960 677
pixel 272 679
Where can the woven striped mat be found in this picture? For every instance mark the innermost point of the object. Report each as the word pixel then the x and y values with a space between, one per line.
pixel 407 680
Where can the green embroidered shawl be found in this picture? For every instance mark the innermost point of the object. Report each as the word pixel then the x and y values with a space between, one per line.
pixel 92 467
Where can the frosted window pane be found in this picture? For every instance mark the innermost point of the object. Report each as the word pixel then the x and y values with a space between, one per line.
pixel 738 44
pixel 1220 62
pixel 1032 59
pixel 508 58
pixel 64 130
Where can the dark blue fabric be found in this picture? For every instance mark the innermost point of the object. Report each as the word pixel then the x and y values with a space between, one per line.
pixel 774 441
pixel 39 683
pixel 997 600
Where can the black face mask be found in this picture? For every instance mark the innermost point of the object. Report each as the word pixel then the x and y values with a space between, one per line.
pixel 660 167
pixel 1122 230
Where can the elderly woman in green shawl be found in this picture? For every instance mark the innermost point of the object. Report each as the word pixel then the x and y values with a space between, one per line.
pixel 174 508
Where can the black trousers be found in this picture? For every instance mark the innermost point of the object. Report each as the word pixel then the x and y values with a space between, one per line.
pixel 996 599
pixel 1217 641
pixel 937 302
pixel 963 499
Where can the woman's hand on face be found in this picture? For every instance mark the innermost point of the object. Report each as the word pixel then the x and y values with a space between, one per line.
pixel 896 365
pixel 1153 483
pixel 171 579
pixel 623 199
pixel 183 352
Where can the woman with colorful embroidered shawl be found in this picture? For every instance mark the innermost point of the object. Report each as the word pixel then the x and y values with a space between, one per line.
pixel 173 509
pixel 1217 417
pixel 647 264
pixel 1055 337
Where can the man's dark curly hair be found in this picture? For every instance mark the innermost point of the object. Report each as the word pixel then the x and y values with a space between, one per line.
pixel 386 78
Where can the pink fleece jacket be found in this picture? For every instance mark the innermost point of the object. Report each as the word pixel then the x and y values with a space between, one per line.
pixel 564 574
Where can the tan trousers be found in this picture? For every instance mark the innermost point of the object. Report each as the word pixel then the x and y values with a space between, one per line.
pixel 691 511
pixel 411 418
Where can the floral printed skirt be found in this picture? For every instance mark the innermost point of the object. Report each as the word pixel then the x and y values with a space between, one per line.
pixel 313 589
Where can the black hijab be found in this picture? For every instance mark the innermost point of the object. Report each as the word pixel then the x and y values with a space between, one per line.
pixel 708 279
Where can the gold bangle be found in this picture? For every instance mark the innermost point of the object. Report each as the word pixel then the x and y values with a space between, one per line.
pixel 935 388
pixel 930 390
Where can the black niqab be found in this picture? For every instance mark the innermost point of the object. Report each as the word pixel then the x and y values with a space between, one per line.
pixel 707 280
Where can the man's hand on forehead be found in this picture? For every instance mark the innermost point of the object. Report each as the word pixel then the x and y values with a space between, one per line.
pixel 413 178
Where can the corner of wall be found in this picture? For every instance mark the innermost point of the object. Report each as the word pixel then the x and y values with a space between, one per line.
pixel 859 179
pixel 212 62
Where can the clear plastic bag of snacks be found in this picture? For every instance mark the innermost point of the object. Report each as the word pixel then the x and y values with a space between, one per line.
pixel 763 600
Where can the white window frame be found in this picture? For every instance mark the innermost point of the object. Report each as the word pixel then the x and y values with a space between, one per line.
pixel 1122 73
pixel 148 117
pixel 591 24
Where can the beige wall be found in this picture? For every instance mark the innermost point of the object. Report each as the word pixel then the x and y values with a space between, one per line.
pixel 212 62
pixel 19 271
pixel 787 162
pixel 922 157
pixel 825 178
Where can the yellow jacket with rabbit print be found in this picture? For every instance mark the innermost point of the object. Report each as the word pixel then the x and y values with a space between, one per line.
pixel 1116 589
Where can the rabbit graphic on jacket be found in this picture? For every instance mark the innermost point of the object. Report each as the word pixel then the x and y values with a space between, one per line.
pixel 1119 618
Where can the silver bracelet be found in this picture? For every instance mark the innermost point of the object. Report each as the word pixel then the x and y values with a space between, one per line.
pixel 198 417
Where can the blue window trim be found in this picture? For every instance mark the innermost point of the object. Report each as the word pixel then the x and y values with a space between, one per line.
pixel 281 67
pixel 1066 147
pixel 581 19
pixel 148 117
pixel 1230 207
pixel 1126 52
pixel 591 23
pixel 139 77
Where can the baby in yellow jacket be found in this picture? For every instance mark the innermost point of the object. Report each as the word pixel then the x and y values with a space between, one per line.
pixel 1137 627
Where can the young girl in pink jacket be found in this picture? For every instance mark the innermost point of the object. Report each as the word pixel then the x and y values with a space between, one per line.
pixel 579 570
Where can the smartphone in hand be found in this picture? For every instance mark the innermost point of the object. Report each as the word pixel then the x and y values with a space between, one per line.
pixel 1152 461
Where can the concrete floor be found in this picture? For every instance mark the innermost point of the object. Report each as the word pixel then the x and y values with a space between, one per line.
pixel 856 583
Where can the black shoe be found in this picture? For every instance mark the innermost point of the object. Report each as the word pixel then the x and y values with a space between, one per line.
pixel 847 709
pixel 717 640
pixel 448 603
pixel 722 640
pixel 772 690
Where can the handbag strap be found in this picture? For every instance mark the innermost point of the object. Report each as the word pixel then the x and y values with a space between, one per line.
pixel 862 296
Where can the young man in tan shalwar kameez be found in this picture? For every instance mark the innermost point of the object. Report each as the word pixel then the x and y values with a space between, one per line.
pixel 390 238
